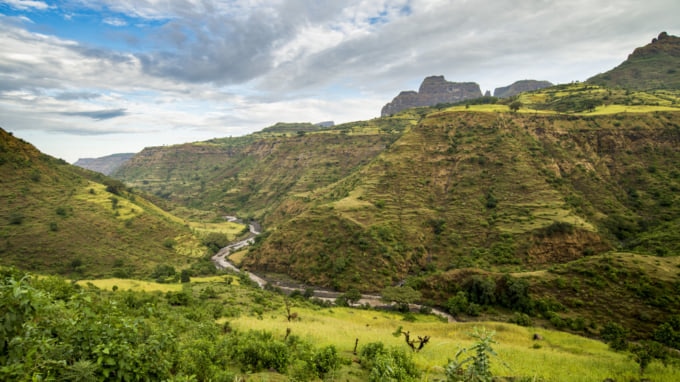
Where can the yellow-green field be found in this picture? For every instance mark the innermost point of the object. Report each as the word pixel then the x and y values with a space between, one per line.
pixel 558 357
pixel 130 284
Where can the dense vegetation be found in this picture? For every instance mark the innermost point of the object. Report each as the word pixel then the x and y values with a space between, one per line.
pixel 223 329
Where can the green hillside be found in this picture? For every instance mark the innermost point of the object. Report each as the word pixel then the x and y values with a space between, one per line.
pixel 250 175
pixel 653 66
pixel 496 191
pixel 58 218
pixel 438 197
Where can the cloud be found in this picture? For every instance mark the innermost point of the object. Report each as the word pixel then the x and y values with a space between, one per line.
pixel 98 114
pixel 114 21
pixel 70 96
pixel 27 4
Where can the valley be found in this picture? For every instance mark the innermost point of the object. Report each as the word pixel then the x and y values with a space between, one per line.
pixel 550 217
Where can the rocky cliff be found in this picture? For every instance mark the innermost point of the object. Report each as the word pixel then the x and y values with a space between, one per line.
pixel 520 87
pixel 433 90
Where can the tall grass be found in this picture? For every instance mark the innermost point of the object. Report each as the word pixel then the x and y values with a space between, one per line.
pixel 558 357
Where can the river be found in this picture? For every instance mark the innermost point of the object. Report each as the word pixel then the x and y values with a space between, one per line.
pixel 221 261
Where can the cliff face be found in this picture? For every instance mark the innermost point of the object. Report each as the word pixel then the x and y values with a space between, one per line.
pixel 433 90
pixel 520 87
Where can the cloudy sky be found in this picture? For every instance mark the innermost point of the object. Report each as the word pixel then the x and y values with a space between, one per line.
pixel 85 78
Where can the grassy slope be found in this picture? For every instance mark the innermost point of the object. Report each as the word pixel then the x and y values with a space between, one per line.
pixel 58 218
pixel 559 357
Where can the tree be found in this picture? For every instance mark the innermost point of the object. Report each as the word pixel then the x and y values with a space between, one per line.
pixel 515 105
pixel 185 276
pixel 353 295
pixel 402 296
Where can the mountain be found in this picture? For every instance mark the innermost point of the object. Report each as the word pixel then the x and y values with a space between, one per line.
pixel 59 218
pixel 653 66
pixel 106 165
pixel 433 90
pixel 520 87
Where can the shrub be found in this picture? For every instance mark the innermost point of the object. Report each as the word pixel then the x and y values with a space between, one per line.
pixel 457 304
pixel 521 319
pixel 615 335
pixel 16 218
pixel 476 367
pixel 258 350
pixel 388 364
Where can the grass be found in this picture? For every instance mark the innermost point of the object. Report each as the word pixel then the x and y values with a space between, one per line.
pixel 560 357
pixel 130 284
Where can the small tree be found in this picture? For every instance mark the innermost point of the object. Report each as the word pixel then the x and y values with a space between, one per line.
pixel 476 367
pixel 402 296
pixel 515 105
pixel 353 296
pixel 185 276
pixel 415 345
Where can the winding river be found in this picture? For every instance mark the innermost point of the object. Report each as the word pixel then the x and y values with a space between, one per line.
pixel 221 261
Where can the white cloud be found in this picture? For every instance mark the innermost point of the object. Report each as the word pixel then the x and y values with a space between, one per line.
pixel 27 4
pixel 114 21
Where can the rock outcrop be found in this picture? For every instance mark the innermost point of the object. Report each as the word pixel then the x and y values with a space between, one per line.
pixel 520 87
pixel 433 90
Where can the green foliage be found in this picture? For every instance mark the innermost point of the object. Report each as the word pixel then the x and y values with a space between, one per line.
pixel 185 276
pixel 402 296
pixel 53 330
pixel 458 304
pixel 644 352
pixel 615 335
pixel 114 186
pixel 215 241
pixel 387 364
pixel 515 105
pixel 668 333
pixel 258 350
pixel 162 272
pixel 475 367
pixel 521 319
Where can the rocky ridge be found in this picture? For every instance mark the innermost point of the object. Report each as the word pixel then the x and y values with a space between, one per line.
pixel 520 87
pixel 433 90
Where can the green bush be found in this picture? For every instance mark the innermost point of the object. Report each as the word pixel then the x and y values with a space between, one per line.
pixel 388 364
pixel 615 335
pixel 259 350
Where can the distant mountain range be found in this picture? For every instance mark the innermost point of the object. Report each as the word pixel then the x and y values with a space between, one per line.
pixel 105 165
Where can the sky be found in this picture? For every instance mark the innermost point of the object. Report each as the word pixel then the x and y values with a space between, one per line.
pixel 84 79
